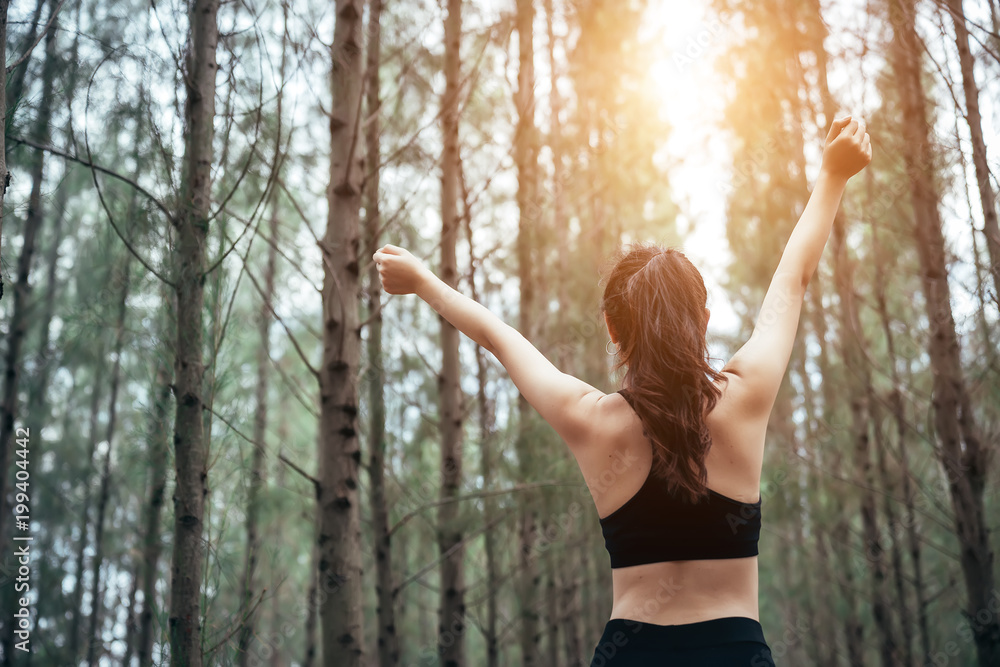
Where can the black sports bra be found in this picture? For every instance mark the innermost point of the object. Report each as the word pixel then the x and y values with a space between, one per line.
pixel 655 526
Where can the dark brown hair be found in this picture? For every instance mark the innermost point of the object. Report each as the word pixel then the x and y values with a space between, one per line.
pixel 655 303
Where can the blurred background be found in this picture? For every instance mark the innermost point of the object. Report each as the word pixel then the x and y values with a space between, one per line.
pixel 234 450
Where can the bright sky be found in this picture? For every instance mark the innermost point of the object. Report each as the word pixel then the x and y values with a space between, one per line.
pixel 693 106
pixel 691 38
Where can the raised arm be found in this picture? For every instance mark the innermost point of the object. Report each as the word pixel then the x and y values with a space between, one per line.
pixel 564 401
pixel 761 362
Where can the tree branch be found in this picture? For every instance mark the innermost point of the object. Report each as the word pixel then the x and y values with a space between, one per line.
pixel 27 52
pixel 104 170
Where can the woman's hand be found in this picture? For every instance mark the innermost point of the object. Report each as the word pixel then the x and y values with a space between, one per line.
pixel 399 271
pixel 848 148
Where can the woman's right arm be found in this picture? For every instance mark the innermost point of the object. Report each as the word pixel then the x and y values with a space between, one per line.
pixel 761 362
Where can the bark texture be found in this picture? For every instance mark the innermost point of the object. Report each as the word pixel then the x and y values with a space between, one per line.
pixel 526 158
pixel 339 537
pixel 974 119
pixel 961 451
pixel 191 220
pixel 451 609
pixel 388 638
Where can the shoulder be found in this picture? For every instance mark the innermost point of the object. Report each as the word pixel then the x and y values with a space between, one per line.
pixel 609 419
pixel 736 425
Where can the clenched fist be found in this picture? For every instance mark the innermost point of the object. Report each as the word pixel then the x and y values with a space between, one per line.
pixel 399 271
pixel 848 148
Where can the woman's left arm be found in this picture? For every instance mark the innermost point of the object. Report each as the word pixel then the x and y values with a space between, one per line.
pixel 565 402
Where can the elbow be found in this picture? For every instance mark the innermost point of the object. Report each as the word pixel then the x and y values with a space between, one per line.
pixel 807 273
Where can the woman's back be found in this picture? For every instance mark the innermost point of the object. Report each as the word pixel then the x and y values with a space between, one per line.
pixel 616 464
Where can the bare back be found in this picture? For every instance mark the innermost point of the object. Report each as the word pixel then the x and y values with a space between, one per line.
pixel 615 467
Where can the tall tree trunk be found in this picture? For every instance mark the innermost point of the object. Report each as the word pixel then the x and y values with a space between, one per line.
pixel 257 469
pixel 827 638
pixel 569 597
pixel 972 116
pixel 22 290
pixel 552 585
pixel 73 643
pixel 37 404
pixel 189 438
pixel 888 484
pixel 279 658
pixel 451 608
pixel 339 538
pixel 22 302
pixel 961 450
pixel 97 602
pixel 159 459
pixel 131 625
pixel 4 181
pixel 902 441
pixel 15 80
pixel 804 517
pixel 837 542
pixel 486 421
pixel 525 156
pixel 858 379
pixel 312 599
pixel 560 223
pixel 388 639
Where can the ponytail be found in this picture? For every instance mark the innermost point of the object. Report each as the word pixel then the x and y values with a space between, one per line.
pixel 655 303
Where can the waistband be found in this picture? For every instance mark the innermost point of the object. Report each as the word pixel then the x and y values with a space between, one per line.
pixel 714 632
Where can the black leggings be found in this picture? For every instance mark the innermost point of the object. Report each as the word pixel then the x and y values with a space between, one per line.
pixel 734 641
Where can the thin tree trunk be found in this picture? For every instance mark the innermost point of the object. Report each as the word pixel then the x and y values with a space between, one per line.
pixel 22 290
pixel 817 318
pixel 552 607
pixel 486 427
pixel 278 658
pixel 37 403
pixel 73 643
pixel 961 450
pixel 312 612
pixel 888 484
pixel 159 459
pixel 22 302
pixel 570 600
pixel 105 492
pixel 15 81
pixel 902 430
pixel 804 483
pixel 257 470
pixel 451 607
pixel 388 640
pixel 526 158
pixel 4 182
pixel 979 158
pixel 837 542
pixel 560 223
pixel 47 571
pixel 339 538
pixel 858 379
pixel 189 437
pixel 130 622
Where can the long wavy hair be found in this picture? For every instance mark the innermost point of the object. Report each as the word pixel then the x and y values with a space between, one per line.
pixel 655 302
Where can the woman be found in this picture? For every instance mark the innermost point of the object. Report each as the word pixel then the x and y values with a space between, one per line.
pixel 673 459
